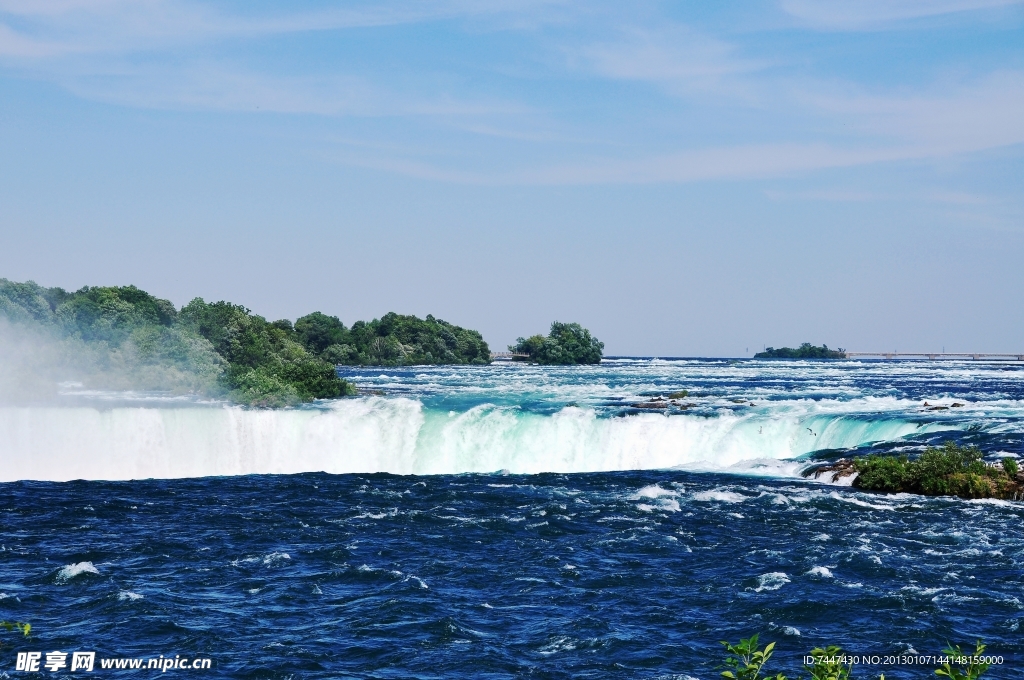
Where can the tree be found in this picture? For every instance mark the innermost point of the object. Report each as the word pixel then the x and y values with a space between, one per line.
pixel 565 344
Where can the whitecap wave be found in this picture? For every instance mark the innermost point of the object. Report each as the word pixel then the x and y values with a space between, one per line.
pixel 771 581
pixel 720 496
pixel 70 571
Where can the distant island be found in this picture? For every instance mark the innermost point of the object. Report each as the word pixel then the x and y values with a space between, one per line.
pixel 804 351
pixel 565 344
pixel 123 338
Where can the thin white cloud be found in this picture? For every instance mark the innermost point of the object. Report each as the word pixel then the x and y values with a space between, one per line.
pixel 952 118
pixel 14 44
pixel 117 26
pixel 829 195
pixel 219 86
pixel 674 58
pixel 868 14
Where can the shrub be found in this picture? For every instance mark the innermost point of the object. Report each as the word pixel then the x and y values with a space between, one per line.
pixel 884 473
pixel 1010 467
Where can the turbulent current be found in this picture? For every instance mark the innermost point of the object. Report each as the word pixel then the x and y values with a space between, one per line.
pixel 512 521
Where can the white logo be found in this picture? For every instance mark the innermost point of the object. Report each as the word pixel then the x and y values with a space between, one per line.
pixel 55 661
pixel 28 661
pixel 83 661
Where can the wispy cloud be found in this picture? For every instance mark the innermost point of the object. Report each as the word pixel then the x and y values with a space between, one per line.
pixel 676 56
pixel 737 115
pixel 873 14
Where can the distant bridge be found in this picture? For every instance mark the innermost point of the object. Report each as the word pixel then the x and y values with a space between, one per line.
pixel 508 356
pixel 937 355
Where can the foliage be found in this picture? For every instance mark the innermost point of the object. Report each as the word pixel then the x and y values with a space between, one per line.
pixel 746 660
pixel 974 668
pixel 948 471
pixel 565 344
pixel 828 664
pixel 392 340
pixel 804 351
pixel 23 628
pixel 109 337
pixel 1010 467
pixel 125 338
pixel 267 366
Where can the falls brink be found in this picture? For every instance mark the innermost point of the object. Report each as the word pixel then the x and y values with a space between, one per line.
pixel 400 436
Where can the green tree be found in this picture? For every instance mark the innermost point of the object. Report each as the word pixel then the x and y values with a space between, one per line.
pixel 266 367
pixel 565 344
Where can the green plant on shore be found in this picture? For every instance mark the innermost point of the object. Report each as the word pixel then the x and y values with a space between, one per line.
pixel 746 660
pixel 974 668
pixel 951 470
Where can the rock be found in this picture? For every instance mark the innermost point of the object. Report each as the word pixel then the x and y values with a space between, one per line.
pixel 841 468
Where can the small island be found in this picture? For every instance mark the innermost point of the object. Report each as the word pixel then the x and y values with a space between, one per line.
pixel 951 470
pixel 123 338
pixel 804 351
pixel 566 344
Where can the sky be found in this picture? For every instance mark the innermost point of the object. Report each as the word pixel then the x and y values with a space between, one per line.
pixel 682 178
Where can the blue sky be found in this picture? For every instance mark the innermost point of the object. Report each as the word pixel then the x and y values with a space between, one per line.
pixel 683 178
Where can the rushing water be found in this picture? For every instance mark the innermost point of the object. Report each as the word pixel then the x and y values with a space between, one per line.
pixel 512 521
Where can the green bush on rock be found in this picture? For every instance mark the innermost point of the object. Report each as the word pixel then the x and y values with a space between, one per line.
pixel 948 471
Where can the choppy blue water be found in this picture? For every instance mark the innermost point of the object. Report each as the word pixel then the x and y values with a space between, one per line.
pixel 589 570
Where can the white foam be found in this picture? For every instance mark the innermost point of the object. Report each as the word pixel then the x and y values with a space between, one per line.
pixel 821 572
pixel 994 501
pixel 856 501
pixel 721 496
pixel 398 435
pixel 276 557
pixel 654 491
pixel 771 581
pixel 128 595
pixel 70 571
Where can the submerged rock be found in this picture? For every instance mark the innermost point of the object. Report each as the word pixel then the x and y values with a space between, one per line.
pixel 844 467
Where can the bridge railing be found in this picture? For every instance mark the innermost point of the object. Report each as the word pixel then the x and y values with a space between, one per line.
pixel 976 356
